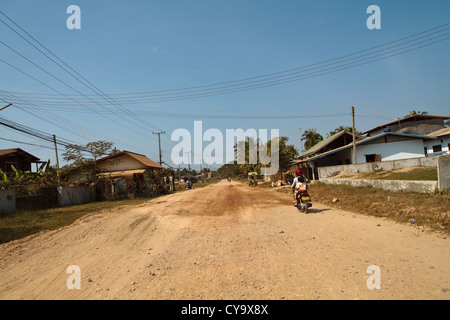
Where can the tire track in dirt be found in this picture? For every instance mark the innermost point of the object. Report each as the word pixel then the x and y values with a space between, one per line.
pixel 226 241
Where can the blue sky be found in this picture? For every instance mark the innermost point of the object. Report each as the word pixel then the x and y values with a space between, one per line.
pixel 128 47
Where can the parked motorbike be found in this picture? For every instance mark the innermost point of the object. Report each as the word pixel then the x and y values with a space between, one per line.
pixel 302 198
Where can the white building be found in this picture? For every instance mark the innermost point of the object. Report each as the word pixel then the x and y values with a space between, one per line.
pixel 440 145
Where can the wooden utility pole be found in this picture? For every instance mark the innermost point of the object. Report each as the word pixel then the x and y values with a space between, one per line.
pixel 354 136
pixel 159 141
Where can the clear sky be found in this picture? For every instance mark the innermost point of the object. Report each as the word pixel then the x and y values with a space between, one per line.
pixel 130 49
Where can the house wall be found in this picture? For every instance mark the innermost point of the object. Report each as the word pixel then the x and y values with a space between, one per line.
pixel 414 126
pixel 390 151
pixel 18 162
pixel 442 141
pixel 121 163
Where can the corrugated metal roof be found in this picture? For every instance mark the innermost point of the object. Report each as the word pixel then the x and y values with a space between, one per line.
pixel 406 119
pixel 440 133
pixel 365 141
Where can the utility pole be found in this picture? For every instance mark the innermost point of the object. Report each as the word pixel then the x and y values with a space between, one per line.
pixel 6 106
pixel 56 152
pixel 353 132
pixel 159 141
pixel 57 160
pixel 301 147
pixel 189 161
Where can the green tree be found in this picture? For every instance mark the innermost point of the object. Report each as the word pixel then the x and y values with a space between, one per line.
pixel 311 138
pixel 340 128
pixel 84 157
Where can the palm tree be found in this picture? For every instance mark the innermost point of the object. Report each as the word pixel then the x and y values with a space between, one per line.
pixel 340 128
pixel 311 137
pixel 414 112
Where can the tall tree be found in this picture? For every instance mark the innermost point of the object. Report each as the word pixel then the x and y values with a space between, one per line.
pixel 84 157
pixel 311 138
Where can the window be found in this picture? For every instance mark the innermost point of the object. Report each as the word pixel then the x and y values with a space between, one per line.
pixel 373 157
pixel 370 157
pixel 437 148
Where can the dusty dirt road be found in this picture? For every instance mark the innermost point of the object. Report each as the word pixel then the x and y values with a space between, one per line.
pixel 227 241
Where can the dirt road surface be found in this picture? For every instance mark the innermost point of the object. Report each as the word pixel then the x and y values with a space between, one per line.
pixel 227 241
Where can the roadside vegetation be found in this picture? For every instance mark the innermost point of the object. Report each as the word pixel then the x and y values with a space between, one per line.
pixel 422 210
pixel 23 223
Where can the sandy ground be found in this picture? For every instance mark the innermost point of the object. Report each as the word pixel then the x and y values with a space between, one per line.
pixel 227 241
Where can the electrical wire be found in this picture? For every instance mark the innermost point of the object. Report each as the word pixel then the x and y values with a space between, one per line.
pixel 291 74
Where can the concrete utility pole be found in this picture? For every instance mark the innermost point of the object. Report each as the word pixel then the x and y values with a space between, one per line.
pixel 159 141
pixel 353 132
pixel 56 152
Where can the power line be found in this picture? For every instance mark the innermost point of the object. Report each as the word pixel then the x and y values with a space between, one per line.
pixel 90 86
pixel 27 143
pixel 33 132
pixel 358 58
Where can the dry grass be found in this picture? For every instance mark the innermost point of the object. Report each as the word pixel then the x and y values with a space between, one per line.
pixel 429 210
pixel 24 223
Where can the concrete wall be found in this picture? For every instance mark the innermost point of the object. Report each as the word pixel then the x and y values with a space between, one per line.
pixel 69 196
pixel 326 172
pixel 443 168
pixel 7 202
pixel 393 185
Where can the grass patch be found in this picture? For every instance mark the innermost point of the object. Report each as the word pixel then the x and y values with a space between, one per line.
pixel 429 210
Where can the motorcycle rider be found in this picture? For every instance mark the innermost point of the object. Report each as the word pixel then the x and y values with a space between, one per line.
pixel 298 179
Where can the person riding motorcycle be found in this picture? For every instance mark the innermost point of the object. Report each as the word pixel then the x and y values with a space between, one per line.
pixel 298 179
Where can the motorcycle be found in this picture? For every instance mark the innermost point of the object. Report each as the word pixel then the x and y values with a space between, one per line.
pixel 188 185
pixel 302 198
